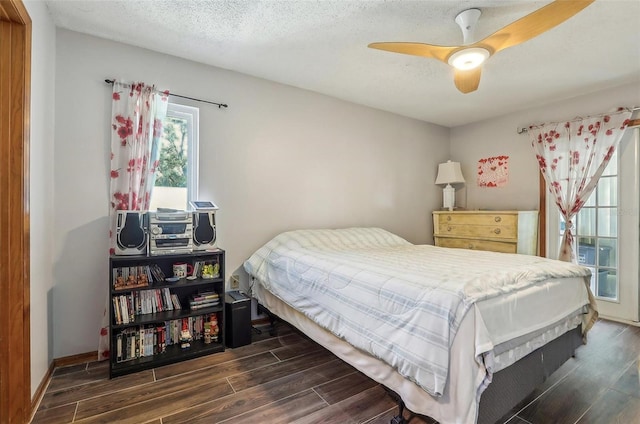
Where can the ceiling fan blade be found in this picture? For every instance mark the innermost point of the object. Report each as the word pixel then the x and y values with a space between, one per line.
pixel 417 49
pixel 467 81
pixel 533 24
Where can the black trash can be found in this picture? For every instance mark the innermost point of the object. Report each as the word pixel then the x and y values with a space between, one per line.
pixel 237 319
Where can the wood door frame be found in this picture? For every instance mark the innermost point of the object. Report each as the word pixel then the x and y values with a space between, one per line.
pixel 15 94
pixel 542 216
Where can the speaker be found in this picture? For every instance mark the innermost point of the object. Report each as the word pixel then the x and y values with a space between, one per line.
pixel 204 230
pixel 131 233
pixel 237 326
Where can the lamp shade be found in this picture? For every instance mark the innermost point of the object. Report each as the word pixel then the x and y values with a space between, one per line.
pixel 449 173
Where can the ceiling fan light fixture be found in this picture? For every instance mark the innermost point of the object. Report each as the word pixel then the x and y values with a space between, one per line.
pixel 468 58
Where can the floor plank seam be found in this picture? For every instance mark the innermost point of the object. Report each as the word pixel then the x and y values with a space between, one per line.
pixel 199 370
pixel 75 412
pixel 102 393
pixel 204 413
pixel 375 417
pixel 168 395
pixel 518 417
pixel 313 389
pixel 275 356
pixel 76 401
pixel 210 367
pixel 95 416
pixel 585 412
pixel 279 378
pixel 231 385
pixel 84 383
pixel 264 406
pixel 620 391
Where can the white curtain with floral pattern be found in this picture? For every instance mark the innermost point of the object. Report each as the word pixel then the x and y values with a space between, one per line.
pixel 137 113
pixel 572 156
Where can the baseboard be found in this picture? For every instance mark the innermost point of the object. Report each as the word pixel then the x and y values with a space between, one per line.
pixel 57 363
pixel 80 358
pixel 42 387
pixel 620 320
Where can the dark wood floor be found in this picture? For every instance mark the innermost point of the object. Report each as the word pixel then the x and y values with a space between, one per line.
pixel 288 379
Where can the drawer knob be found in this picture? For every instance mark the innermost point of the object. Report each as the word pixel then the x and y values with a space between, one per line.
pixel 497 231
pixel 448 218
pixel 448 228
pixel 471 246
pixel 498 219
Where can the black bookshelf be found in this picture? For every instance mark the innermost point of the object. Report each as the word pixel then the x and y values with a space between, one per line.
pixel 152 335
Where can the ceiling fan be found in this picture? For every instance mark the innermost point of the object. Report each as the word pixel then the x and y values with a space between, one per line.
pixel 467 58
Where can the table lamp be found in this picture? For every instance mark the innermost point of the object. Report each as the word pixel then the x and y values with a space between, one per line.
pixel 449 173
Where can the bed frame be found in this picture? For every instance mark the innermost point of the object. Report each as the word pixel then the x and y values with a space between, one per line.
pixel 510 385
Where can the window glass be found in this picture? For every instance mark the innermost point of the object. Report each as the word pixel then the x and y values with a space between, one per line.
pixel 612 166
pixel 177 174
pixel 591 201
pixel 608 222
pixel 586 251
pixel 608 252
pixel 608 191
pixel 587 222
pixel 607 284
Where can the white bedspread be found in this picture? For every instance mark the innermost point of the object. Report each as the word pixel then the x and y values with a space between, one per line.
pixel 401 303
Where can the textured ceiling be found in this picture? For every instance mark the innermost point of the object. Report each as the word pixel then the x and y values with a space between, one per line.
pixel 322 46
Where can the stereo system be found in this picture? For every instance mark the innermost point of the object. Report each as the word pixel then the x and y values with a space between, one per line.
pixel 170 233
pixel 165 232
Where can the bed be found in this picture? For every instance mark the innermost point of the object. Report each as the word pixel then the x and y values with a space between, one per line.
pixel 434 325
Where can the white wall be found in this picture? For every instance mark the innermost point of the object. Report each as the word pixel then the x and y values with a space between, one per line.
pixel 278 158
pixel 499 136
pixel 41 188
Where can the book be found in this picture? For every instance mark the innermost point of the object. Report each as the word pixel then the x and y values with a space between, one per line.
pixel 119 347
pixel 116 310
pixel 176 301
pixel 213 296
pixel 204 305
pixel 157 273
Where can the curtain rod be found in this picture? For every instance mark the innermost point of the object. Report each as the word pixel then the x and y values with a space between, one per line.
pixel 220 105
pixel 634 122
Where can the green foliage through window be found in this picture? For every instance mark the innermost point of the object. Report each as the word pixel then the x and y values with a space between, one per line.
pixel 172 170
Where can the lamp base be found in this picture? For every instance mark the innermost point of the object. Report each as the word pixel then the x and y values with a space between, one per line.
pixel 449 197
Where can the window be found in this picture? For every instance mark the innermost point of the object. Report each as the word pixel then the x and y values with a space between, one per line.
pixel 177 174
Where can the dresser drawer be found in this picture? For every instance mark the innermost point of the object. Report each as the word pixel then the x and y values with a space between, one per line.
pixel 473 244
pixel 484 231
pixel 508 220
pixel 478 224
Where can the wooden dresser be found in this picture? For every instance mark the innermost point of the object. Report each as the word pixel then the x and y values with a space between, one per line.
pixel 498 231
